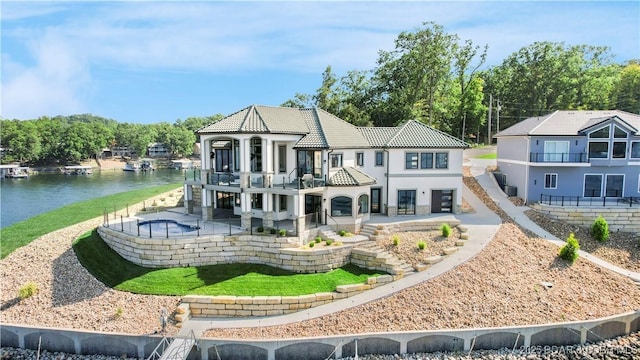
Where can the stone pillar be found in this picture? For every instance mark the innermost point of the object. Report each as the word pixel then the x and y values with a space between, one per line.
pixel 301 224
pixel 245 220
pixel 188 198
pixel 267 219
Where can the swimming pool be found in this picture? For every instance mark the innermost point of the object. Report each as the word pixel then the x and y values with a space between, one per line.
pixel 162 226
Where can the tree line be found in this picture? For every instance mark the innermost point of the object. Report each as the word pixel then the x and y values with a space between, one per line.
pixel 71 139
pixel 435 77
pixel 431 76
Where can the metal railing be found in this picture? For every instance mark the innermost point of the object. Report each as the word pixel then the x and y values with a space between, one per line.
pixel 558 157
pixel 161 228
pixel 604 201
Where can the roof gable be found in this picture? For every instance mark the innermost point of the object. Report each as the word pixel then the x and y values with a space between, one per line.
pixel 571 122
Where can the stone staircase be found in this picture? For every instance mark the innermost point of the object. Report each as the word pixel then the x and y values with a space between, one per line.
pixel 372 256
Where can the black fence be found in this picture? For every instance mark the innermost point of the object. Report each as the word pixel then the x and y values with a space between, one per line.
pixel 604 201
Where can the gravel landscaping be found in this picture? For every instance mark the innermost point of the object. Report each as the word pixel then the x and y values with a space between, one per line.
pixel 407 248
pixel 622 248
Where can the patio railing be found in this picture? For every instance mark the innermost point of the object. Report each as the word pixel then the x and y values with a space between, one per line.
pixel 605 201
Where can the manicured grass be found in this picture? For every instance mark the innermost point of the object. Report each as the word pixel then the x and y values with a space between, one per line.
pixel 22 233
pixel 229 279
pixel 487 156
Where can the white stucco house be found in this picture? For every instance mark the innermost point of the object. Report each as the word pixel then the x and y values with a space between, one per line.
pixel 277 163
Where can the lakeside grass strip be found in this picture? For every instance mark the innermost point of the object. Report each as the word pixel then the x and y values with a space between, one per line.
pixel 225 279
pixel 24 232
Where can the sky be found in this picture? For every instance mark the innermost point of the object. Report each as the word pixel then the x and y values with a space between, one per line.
pixel 159 61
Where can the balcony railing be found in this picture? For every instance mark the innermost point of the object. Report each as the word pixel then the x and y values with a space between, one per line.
pixel 558 157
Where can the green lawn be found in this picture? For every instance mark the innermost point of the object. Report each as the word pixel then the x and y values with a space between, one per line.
pixel 229 279
pixel 487 156
pixel 22 233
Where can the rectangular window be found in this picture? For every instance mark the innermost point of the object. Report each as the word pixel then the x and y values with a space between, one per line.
pixel 236 155
pixel 379 158
pixel 635 150
pixel 411 160
pixel 550 181
pixel 615 186
pixel 592 185
pixel 282 158
pixel 598 150
pixel 426 160
pixel 256 201
pixel 619 150
pixel 336 160
pixel 360 159
pixel 283 202
pixel 442 160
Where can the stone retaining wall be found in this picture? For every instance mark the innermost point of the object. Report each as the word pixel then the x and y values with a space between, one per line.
pixel 242 306
pixel 282 252
pixel 527 338
pixel 625 219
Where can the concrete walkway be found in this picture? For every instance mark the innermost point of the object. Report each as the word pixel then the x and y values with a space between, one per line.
pixel 478 167
pixel 482 226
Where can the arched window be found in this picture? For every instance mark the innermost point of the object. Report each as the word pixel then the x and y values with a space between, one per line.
pixel 363 204
pixel 256 154
pixel 341 206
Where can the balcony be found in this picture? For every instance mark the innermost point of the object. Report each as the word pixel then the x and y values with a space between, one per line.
pixel 563 158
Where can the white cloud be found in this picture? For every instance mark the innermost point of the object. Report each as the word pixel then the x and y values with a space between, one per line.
pixel 54 85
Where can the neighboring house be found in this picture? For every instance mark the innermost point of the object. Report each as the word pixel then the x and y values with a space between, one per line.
pixel 583 154
pixel 278 163
pixel 158 150
pixel 121 151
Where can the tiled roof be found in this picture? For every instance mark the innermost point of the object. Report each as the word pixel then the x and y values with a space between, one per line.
pixel 322 130
pixel 349 176
pixel 411 134
pixel 571 122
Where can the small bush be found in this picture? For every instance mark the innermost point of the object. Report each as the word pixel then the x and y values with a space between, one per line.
pixel 347 234
pixel 337 243
pixel 272 231
pixel 260 229
pixel 328 242
pixel 446 230
pixel 318 239
pixel 118 313
pixel 422 245
pixel 342 232
pixel 27 290
pixel 600 229
pixel 396 240
pixel 569 251
pixel 312 244
pixel 283 232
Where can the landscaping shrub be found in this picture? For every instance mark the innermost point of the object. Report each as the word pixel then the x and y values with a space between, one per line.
pixel 446 230
pixel 422 245
pixel 396 240
pixel 27 290
pixel 342 232
pixel 283 232
pixel 272 231
pixel 569 251
pixel 600 229
pixel 312 244
pixel 260 229
pixel 118 313
pixel 318 239
pixel 328 242
pixel 337 243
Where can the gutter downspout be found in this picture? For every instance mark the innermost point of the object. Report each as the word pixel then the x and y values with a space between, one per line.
pixel 526 174
pixel 386 195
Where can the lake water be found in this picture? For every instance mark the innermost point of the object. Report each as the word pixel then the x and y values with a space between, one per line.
pixel 21 199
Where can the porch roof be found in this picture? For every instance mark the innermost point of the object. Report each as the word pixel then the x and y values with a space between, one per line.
pixel 350 176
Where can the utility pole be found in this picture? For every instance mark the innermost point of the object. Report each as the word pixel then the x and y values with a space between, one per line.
pixel 498 108
pixel 489 125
